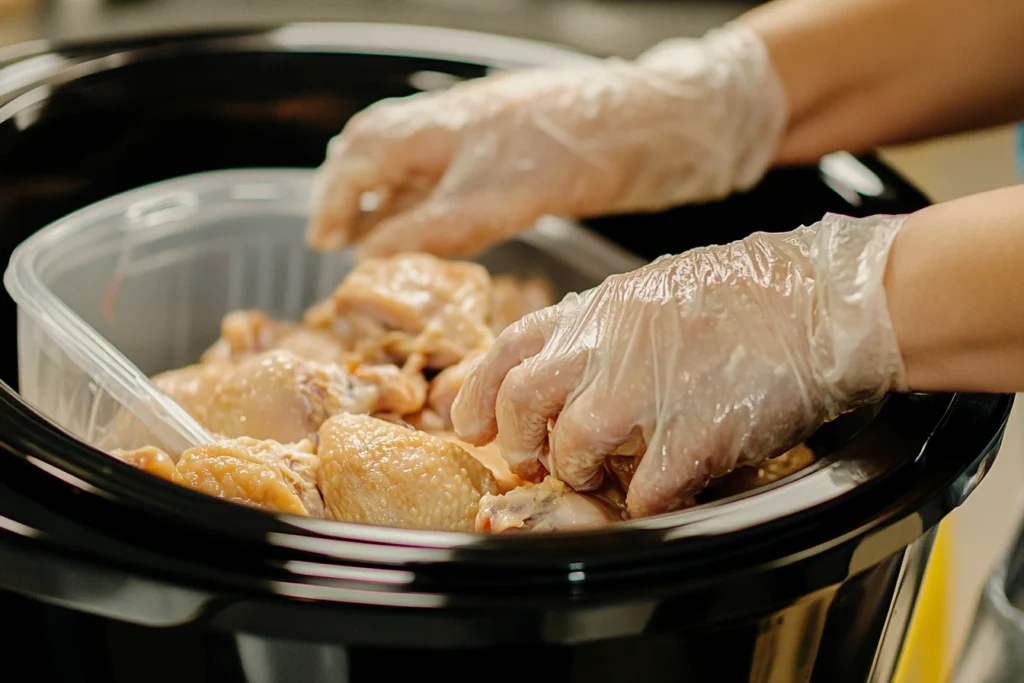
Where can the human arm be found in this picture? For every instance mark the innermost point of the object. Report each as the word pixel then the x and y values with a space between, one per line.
pixel 860 74
pixel 723 356
pixel 689 121
pixel 955 287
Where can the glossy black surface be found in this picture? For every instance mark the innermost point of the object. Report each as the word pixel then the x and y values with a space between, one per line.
pixel 713 594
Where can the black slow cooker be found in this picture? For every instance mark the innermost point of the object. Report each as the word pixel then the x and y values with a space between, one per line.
pixel 108 574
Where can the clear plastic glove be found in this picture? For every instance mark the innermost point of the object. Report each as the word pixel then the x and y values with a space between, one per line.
pixel 459 170
pixel 699 363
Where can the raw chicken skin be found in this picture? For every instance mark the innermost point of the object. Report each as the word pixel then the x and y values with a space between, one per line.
pixel 428 421
pixel 548 506
pixel 148 459
pixel 277 395
pixel 490 457
pixel 413 304
pixel 334 417
pixel 402 391
pixel 263 474
pixel 376 472
pixel 194 386
pixel 249 332
pixel 513 297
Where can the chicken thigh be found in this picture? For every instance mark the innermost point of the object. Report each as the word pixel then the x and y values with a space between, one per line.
pixel 248 332
pixel 263 474
pixel 490 457
pixel 277 395
pixel 446 385
pixel 259 473
pixel 547 506
pixel 376 472
pixel 148 459
pixel 412 304
pixel 193 387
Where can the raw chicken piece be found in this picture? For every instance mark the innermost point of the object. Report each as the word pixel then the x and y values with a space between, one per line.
pixel 277 395
pixel 445 387
pixel 402 390
pixel 427 420
pixel 490 457
pixel 412 304
pixel 194 386
pixel 148 459
pixel 263 474
pixel 244 333
pixel 513 297
pixel 548 506
pixel 376 472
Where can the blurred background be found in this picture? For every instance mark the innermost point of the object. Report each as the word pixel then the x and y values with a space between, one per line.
pixel 977 534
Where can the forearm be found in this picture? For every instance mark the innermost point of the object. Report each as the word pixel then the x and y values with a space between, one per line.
pixel 955 290
pixel 863 73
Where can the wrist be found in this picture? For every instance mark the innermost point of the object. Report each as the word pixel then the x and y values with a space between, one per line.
pixel 854 348
pixel 953 287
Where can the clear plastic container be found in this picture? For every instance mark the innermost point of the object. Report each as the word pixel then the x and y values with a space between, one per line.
pixel 138 283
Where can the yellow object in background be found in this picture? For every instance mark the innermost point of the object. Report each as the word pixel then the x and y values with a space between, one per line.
pixel 923 655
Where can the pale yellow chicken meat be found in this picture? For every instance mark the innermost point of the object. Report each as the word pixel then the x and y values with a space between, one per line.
pixel 545 507
pixel 259 473
pixel 552 506
pixel 248 332
pixel 490 457
pixel 376 472
pixel 148 459
pixel 334 417
pixel 411 305
pixel 446 385
pixel 278 395
pixel 194 386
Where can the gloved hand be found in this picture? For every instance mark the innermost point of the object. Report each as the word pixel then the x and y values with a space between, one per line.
pixel 712 359
pixel 460 170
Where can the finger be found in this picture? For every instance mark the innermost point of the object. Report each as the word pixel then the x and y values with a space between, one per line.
pixel 338 187
pixel 391 203
pixel 387 148
pixel 531 394
pixel 590 428
pixel 676 465
pixel 449 227
pixel 473 411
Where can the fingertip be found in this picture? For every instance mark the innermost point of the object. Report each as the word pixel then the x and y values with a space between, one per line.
pixel 471 419
pixel 646 496
pixel 474 411
pixel 667 476
pixel 320 237
pixel 405 231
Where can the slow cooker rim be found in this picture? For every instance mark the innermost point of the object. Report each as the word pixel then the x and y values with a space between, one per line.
pixel 927 486
pixel 90 468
